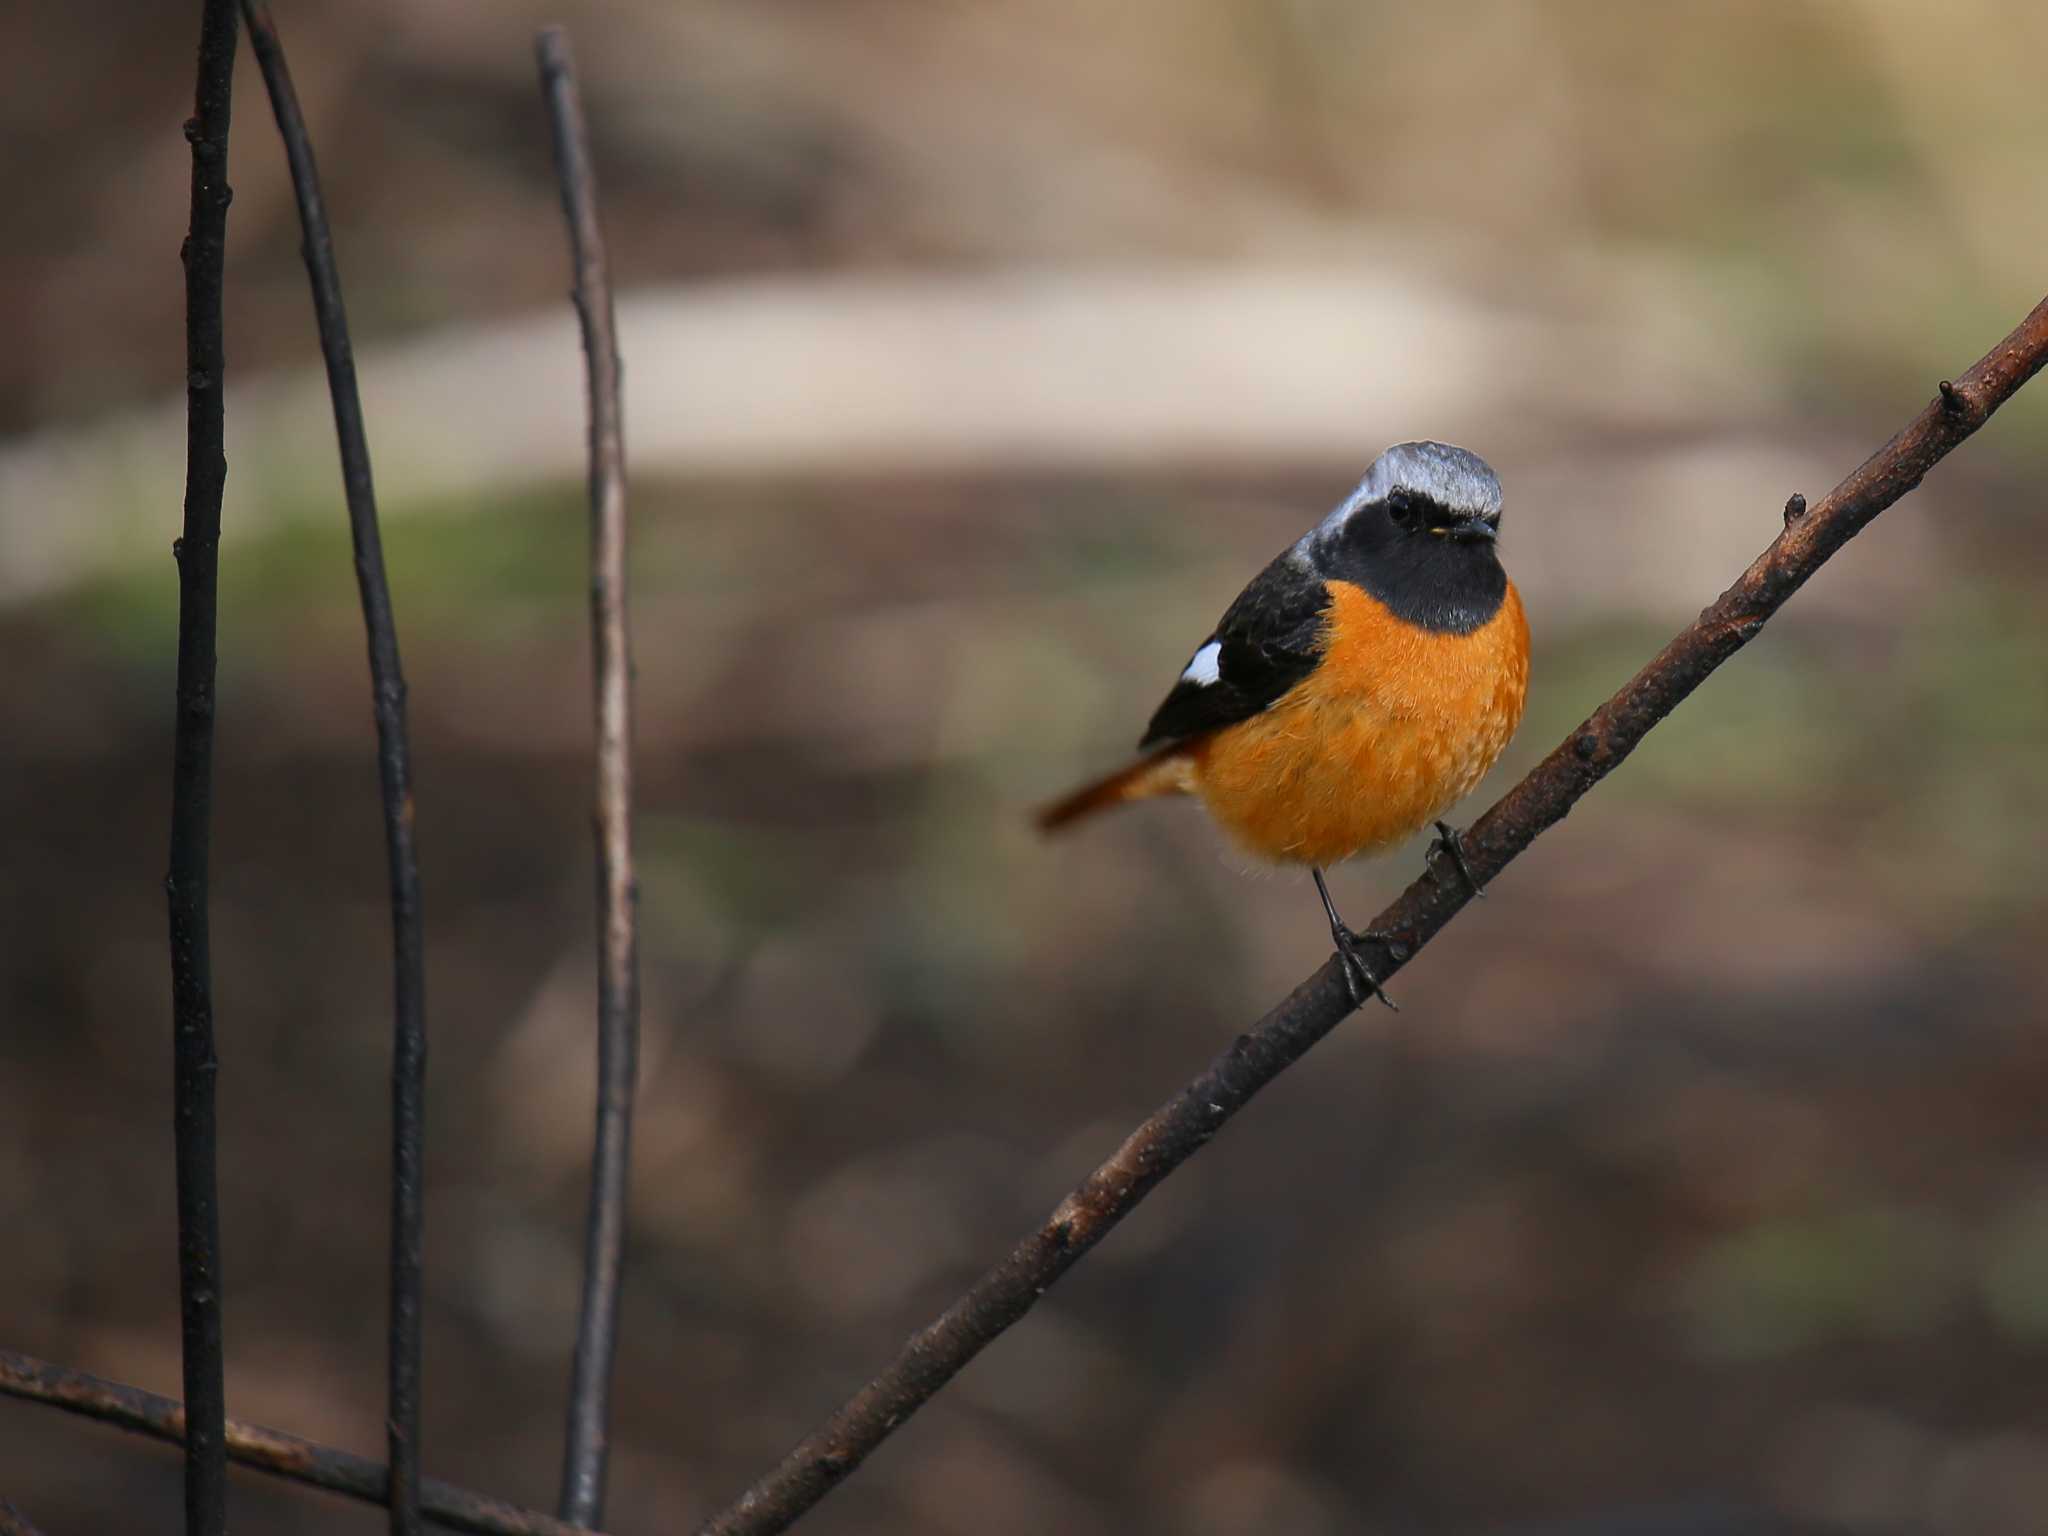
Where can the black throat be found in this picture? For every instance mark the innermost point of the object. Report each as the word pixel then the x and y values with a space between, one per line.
pixel 1444 585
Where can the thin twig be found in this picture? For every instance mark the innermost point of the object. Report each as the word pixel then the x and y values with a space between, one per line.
pixel 394 770
pixel 14 1523
pixel 273 1451
pixel 1183 1125
pixel 194 1064
pixel 618 984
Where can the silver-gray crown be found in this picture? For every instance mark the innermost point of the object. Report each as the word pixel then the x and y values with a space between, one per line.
pixel 1454 478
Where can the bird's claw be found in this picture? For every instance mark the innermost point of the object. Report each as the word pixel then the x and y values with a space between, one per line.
pixel 1448 841
pixel 1358 976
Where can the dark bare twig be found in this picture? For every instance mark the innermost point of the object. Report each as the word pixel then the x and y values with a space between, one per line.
pixel 394 769
pixel 1180 1128
pixel 618 984
pixel 194 1064
pixel 265 1450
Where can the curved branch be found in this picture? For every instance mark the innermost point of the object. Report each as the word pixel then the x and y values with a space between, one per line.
pixel 1179 1128
pixel 618 982
pixel 283 1455
pixel 394 772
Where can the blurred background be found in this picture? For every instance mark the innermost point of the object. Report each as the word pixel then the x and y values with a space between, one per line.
pixel 975 355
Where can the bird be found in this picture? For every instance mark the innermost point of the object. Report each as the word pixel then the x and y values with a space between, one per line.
pixel 1362 684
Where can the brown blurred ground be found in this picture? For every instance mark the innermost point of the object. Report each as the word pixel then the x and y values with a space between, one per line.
pixel 1703 1170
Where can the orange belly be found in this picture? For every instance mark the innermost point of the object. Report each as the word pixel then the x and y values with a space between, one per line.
pixel 1394 725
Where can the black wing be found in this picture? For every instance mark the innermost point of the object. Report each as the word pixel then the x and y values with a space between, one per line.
pixel 1268 641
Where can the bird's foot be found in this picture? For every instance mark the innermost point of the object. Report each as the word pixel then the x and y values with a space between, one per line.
pixel 1448 841
pixel 1358 975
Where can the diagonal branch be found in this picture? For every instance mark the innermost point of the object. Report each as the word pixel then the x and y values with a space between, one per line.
pixel 1179 1128
pixel 394 771
pixel 618 983
pixel 194 1065
pixel 266 1450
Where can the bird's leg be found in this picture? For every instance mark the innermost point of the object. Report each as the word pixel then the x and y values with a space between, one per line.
pixel 1358 975
pixel 1448 841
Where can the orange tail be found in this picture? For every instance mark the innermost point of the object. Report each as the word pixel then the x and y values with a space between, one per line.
pixel 1165 772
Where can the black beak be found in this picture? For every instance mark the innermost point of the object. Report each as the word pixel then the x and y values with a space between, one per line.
pixel 1471 530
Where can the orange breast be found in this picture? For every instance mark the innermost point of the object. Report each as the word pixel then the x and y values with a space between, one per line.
pixel 1392 727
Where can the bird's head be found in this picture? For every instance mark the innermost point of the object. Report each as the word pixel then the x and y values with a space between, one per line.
pixel 1419 533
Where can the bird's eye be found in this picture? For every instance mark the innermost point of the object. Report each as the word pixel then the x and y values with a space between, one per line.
pixel 1401 508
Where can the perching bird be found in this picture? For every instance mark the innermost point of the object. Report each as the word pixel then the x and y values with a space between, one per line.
pixel 1363 683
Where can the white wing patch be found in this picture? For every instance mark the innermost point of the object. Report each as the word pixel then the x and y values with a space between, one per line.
pixel 1204 669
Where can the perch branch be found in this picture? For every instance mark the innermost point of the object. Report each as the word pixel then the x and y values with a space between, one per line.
pixel 266 1450
pixel 394 771
pixel 194 1065
pixel 618 982
pixel 1179 1128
